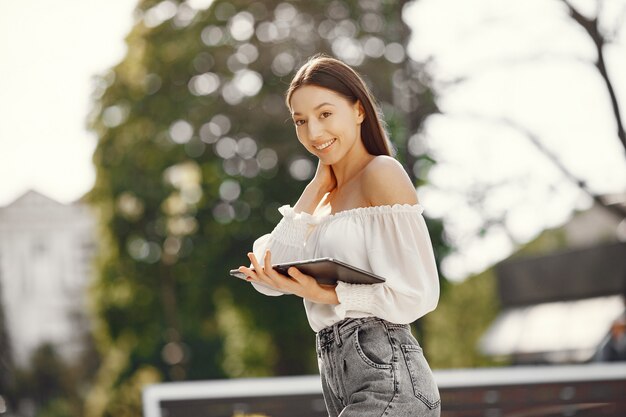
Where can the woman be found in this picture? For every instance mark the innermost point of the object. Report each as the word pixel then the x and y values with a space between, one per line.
pixel 361 208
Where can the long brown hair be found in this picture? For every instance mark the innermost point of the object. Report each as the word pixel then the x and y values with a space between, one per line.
pixel 332 74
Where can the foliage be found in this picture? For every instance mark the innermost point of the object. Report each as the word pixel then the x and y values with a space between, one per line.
pixel 462 316
pixel 6 356
pixel 195 155
pixel 49 384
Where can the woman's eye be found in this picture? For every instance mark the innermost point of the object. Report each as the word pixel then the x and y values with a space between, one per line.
pixel 299 122
pixel 326 114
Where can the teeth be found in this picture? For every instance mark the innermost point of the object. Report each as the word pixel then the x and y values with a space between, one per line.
pixel 324 145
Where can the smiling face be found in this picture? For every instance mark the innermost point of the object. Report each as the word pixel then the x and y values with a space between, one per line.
pixel 327 124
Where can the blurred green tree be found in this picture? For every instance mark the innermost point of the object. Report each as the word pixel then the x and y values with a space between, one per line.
pixel 47 387
pixel 196 152
pixel 464 313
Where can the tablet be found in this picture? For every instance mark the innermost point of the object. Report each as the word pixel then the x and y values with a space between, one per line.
pixel 325 271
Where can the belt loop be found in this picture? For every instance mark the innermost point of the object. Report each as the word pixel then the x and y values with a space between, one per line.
pixel 336 333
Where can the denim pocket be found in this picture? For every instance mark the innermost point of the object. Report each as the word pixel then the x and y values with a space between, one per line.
pixel 424 385
pixel 372 345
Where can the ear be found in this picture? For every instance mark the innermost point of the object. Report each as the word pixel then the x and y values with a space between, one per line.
pixel 360 112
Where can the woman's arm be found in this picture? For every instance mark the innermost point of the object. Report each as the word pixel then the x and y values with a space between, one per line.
pixel 322 183
pixel 286 242
pixel 399 249
pixel 299 284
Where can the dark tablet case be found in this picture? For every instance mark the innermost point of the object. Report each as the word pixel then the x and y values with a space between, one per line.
pixel 325 271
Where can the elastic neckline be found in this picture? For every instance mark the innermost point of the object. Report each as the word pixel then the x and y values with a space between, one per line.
pixel 357 211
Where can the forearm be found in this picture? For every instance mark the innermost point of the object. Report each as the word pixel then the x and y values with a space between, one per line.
pixel 391 304
pixel 309 199
pixel 323 294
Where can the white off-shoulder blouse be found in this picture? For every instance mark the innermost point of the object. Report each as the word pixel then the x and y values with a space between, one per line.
pixel 390 241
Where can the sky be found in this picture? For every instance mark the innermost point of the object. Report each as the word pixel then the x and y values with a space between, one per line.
pixel 523 61
pixel 527 62
pixel 50 51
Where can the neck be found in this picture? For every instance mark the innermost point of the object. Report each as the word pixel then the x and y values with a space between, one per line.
pixel 351 164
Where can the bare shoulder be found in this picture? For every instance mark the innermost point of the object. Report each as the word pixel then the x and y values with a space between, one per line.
pixel 385 182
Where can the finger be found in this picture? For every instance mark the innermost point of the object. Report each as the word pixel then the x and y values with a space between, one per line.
pixel 277 279
pixel 268 262
pixel 249 273
pixel 261 275
pixel 255 263
pixel 297 275
pixel 293 272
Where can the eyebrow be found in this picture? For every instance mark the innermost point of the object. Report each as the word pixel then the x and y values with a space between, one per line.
pixel 317 107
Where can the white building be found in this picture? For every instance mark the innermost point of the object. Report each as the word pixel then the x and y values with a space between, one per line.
pixel 46 251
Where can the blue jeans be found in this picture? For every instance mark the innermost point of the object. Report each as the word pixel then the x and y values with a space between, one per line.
pixel 370 367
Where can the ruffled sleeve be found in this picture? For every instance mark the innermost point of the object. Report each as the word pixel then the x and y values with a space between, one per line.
pixel 400 250
pixel 286 242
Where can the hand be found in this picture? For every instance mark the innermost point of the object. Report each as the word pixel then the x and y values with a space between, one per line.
pixel 296 283
pixel 322 183
pixel 324 178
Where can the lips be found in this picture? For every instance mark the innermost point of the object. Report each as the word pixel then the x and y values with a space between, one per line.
pixel 324 145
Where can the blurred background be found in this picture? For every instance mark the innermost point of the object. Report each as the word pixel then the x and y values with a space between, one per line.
pixel 144 145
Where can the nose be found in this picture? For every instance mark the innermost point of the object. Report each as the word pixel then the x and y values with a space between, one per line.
pixel 315 129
